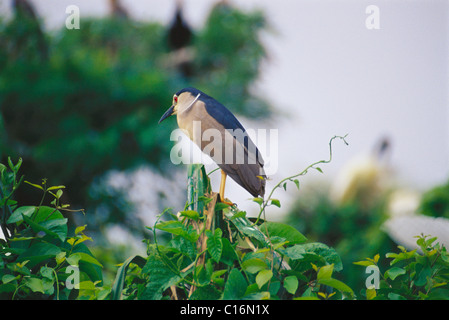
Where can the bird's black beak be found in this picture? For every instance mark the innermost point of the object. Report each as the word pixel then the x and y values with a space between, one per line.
pixel 167 114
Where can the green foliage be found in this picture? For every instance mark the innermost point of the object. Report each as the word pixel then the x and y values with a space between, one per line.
pixel 241 260
pixel 215 253
pixel 38 256
pixel 413 275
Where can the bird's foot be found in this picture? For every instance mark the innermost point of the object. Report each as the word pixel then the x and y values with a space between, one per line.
pixel 225 201
pixel 228 203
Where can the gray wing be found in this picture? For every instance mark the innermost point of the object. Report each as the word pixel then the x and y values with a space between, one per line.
pixel 248 172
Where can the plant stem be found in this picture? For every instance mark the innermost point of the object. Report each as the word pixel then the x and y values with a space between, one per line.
pixel 265 202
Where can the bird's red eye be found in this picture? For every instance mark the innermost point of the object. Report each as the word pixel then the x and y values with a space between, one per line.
pixel 175 98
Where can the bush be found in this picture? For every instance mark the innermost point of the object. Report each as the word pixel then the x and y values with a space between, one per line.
pixel 219 253
pixel 38 257
pixel 213 251
pixel 413 275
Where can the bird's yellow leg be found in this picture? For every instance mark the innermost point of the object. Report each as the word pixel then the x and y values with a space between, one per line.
pixel 222 185
pixel 222 188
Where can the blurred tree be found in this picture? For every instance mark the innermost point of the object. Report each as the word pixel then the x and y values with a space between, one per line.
pixel 93 105
pixel 23 38
pixel 435 202
pixel 353 228
pixel 228 55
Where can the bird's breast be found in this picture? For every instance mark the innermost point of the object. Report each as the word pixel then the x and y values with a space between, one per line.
pixel 206 132
pixel 196 121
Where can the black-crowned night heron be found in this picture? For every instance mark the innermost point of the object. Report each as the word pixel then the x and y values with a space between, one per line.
pixel 179 33
pixel 202 117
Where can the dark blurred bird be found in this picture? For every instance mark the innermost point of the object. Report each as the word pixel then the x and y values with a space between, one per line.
pixel 179 38
pixel 25 8
pixel 234 151
pixel 117 10
pixel 25 14
pixel 179 32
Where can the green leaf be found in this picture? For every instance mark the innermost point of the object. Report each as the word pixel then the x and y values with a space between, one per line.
pixel 80 229
pixel 282 230
pixel 328 254
pixel 34 284
pixel 35 185
pixel 9 277
pixel 215 244
pixel 11 166
pixel 60 258
pixel 47 272
pixel 191 214
pixel 235 286
pixel 295 252
pixel 17 215
pixel 119 281
pixel 246 227
pixel 423 276
pixel 160 276
pixel 370 293
pixel 59 193
pixel 55 228
pixel 296 181
pixel 219 206
pixel 19 267
pixel 178 228
pixel 204 200
pixel 336 284
pixel 204 273
pixel 94 271
pixel 395 296
pixel 47 213
pixel 325 272
pixel 208 292
pixel 276 202
pixel 239 214
pixel 254 265
pixel 307 298
pixel 2 168
pixel 39 252
pixel 394 272
pixel 228 256
pixel 364 263
pixel 439 294
pixel 76 257
pixel 55 188
pixel 263 277
pixel 291 284
pixel 405 255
